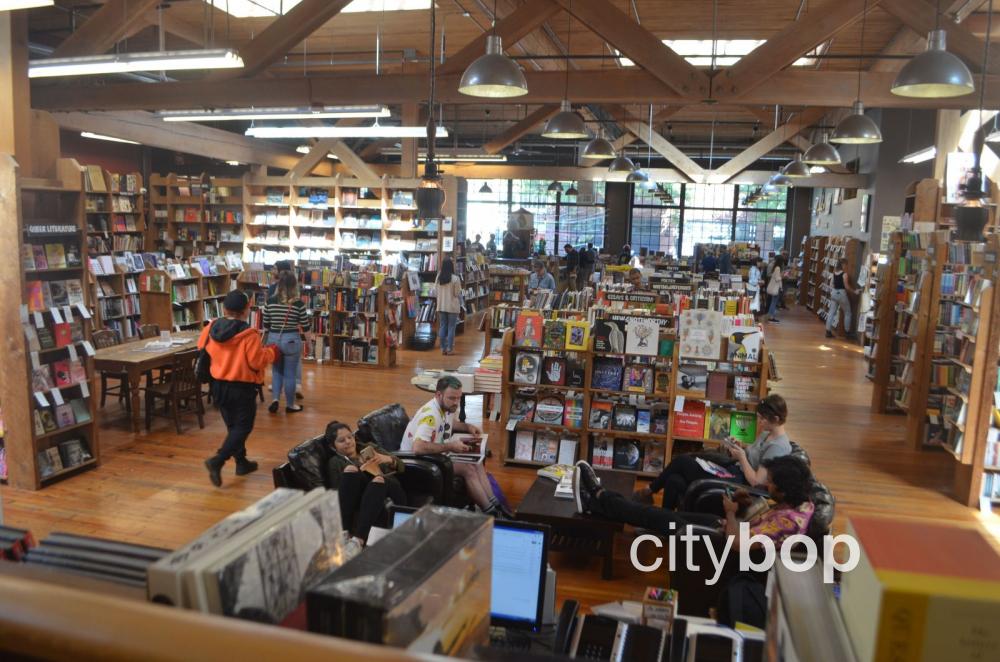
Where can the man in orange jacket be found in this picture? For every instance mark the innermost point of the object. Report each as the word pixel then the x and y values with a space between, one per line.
pixel 238 363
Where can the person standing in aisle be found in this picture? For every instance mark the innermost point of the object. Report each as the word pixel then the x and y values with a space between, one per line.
pixel 477 245
pixel 572 266
pixel 237 365
pixel 282 267
pixel 449 304
pixel 839 300
pixel 491 246
pixel 284 318
pixel 625 256
pixel 725 262
pixel 774 288
pixel 753 287
pixel 709 263
pixel 588 258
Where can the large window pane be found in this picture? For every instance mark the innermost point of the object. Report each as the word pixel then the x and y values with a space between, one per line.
pixel 706 226
pixel 713 196
pixel 579 225
pixel 765 228
pixel 656 229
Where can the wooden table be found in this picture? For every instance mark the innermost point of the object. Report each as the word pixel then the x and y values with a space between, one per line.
pixel 133 359
pixel 572 532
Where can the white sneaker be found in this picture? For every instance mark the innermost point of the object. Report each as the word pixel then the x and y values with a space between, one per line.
pixel 352 548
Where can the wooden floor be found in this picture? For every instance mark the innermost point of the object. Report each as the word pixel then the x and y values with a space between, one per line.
pixel 153 489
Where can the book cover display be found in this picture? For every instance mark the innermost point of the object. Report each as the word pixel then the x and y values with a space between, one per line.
pixel 577 335
pixel 627 455
pixel 600 415
pixel 743 426
pixel 524 445
pixel 642 336
pixel 549 410
pixel 608 373
pixel 609 336
pixel 689 423
pixel 700 334
pixel 522 408
pixel 692 378
pixel 529 329
pixel 554 370
pixel 527 368
pixel 744 345
pixel 639 378
pixel 555 334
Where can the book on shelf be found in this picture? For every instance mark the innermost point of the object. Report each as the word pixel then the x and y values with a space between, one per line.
pixel 643 420
pixel 600 414
pixel 577 335
pixel 603 453
pixel 554 336
pixel 573 414
pixel 692 378
pixel 524 445
pixel 642 336
pixel 550 410
pixel 527 368
pixel 652 457
pixel 529 329
pixel 607 373
pixel 719 423
pixel 627 455
pixel 546 448
pixel 554 370
pixel 689 422
pixel 624 418
pixel 639 378
pixel 743 426
pixel 522 408
pixel 567 451
pixel 609 336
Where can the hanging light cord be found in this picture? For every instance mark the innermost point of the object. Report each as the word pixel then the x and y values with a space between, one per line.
pixel 431 129
pixel 982 85
pixel 569 37
pixel 861 51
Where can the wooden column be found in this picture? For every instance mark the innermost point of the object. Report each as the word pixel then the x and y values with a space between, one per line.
pixel 15 92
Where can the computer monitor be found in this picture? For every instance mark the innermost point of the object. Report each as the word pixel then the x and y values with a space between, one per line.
pixel 520 560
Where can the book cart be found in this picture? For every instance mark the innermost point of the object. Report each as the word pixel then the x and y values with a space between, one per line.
pixel 619 409
pixel 61 437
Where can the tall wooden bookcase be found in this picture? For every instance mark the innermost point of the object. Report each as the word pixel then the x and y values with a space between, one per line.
pixel 60 436
pixel 836 248
pixel 812 274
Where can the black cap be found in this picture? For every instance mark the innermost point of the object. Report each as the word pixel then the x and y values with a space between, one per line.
pixel 236 301
pixel 283 265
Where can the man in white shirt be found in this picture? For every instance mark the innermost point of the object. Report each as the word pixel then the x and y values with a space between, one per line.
pixel 429 433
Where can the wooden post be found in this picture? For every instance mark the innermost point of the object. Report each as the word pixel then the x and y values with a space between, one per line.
pixel 15 92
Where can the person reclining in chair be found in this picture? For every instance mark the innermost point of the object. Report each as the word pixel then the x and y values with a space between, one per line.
pixel 429 433
pixel 788 481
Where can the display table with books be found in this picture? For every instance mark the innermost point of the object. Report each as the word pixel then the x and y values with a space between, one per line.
pixel 572 532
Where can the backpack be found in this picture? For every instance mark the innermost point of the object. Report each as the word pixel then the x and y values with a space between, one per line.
pixel 203 364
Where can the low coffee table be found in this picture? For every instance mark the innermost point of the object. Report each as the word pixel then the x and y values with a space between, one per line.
pixel 571 532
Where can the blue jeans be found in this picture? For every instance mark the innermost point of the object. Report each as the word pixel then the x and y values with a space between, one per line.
pixel 839 301
pixel 446 330
pixel 290 345
pixel 772 310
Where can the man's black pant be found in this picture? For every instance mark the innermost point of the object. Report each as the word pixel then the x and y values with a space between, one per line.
pixel 614 506
pixel 238 405
pixel 362 500
pixel 679 474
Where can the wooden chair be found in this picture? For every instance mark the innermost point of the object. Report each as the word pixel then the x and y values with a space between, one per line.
pixel 149 331
pixel 146 332
pixel 108 338
pixel 177 392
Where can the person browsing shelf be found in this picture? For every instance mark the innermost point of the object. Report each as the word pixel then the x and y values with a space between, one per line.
pixel 572 266
pixel 635 278
pixel 744 464
pixel 429 433
pixel 787 479
pixel 588 260
pixel 625 256
pixel 237 365
pixel 540 278
pixel 448 290
pixel 839 300
pixel 774 285
pixel 709 263
pixel 363 476
pixel 284 317
pixel 281 267
pixel 491 246
pixel 753 286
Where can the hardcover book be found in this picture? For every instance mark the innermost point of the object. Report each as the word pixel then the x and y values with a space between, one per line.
pixel 745 388
pixel 689 423
pixel 555 334
pixel 603 454
pixel 55 255
pixel 661 383
pixel 600 415
pixel 573 416
pixel 701 334
pixel 45 338
pixel 77 371
pixel 524 445
pixel 546 448
pixel 642 420
pixel 576 372
pixel 660 422
pixel 522 408
pixel 38 257
pixel 624 418
pixel 60 297
pixel 609 336
pixel 81 410
pixel 607 375
pixel 692 378
pixel 48 420
pixel 652 457
pixel 554 370
pixel 642 336
pixel 718 423
pixel 550 410
pixel 743 426
pixel 628 455
pixel 527 368
pixel 744 345
pixel 63 334
pixel 64 415
pixel 639 378
pixel 41 379
pixel 529 329
pixel 666 345
pixel 33 293
pixel 577 335
pixel 61 373
pixel 717 388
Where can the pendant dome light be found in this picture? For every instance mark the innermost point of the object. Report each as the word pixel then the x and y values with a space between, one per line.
pixel 822 153
pixel 572 190
pixel 795 168
pixel 621 163
pixel 554 187
pixel 485 188
pixel 857 128
pixel 494 74
pixel 598 148
pixel 566 125
pixel 637 176
pixel 780 181
pixel 935 73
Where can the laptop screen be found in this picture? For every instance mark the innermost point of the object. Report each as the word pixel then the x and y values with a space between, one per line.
pixel 519 565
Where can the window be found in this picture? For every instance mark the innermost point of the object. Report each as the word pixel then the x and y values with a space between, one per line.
pixel 727 52
pixel 705 214
pixel 559 217
pixel 266 8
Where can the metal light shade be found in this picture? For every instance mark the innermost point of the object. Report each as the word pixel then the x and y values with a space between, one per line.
pixel 554 186
pixel 795 168
pixel 572 190
pixel 598 148
pixel 566 125
pixel 429 195
pixel 935 73
pixel 621 164
pixel 485 188
pixel 857 128
pixel 637 177
pixel 822 153
pixel 494 74
pixel 780 181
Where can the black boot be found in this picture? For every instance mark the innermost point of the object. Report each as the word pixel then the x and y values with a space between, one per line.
pixel 245 466
pixel 214 465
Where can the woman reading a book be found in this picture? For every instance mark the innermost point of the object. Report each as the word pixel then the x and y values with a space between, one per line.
pixel 363 477
pixel 740 465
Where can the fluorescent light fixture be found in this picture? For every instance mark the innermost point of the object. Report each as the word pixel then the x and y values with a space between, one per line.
pixel 270 8
pixel 233 163
pixel 305 149
pixel 453 156
pixel 11 5
pixel 376 131
pixel 921 155
pixel 234 114
pixel 101 136
pixel 215 58
pixel 816 170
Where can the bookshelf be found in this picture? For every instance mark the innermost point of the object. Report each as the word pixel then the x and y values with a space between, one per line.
pixel 184 295
pixel 834 249
pixel 618 408
pixel 868 279
pixel 223 214
pixel 812 272
pixel 62 436
pixel 365 319
pixel 508 285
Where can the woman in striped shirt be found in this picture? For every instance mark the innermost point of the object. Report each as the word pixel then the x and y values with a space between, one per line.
pixel 284 317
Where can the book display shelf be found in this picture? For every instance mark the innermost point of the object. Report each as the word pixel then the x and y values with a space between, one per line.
pixel 810 293
pixel 868 289
pixel 184 295
pixel 366 311
pixel 223 214
pixel 508 285
pixel 195 214
pixel 618 392
pixel 475 276
pixel 55 311
pixel 836 248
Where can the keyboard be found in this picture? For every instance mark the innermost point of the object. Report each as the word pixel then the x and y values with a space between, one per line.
pixel 509 639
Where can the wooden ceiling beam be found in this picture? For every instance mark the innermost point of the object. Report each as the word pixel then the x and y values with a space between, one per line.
pixel 350 159
pixel 309 162
pixel 280 36
pixel 511 28
pixel 639 45
pixel 106 27
pixel 522 128
pixel 792 87
pixel 798 141
pixel 373 149
pixel 792 42
pixel 628 137
pixel 919 16
pixel 661 145
pixel 187 137
pixel 176 27
pixel 750 155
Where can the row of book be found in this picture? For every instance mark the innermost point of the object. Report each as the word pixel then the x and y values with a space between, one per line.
pixel 49 256
pixel 225 216
pixel 548 409
pixel 579 300
pixel 124 328
pixel 545 446
pixel 354 300
pixel 41 337
pixel 358 351
pixel 533 331
pixel 188 234
pixel 628 455
pixel 532 368
pixel 183 317
pixel 56 416
pixel 45 295
pixel 424 262
pixel 355 326
pixel 181 293
pixel 696 420
pixel 66 455
pixel 126 242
